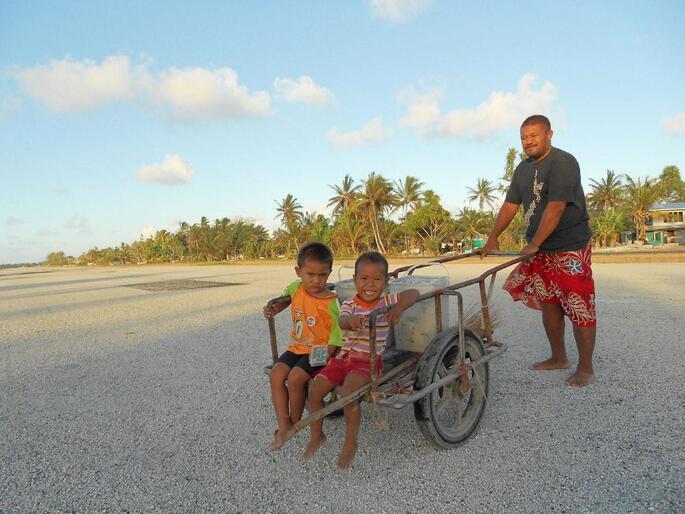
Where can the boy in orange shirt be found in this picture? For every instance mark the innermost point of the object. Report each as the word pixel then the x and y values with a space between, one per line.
pixel 314 311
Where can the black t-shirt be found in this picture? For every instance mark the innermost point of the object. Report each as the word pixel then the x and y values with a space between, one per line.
pixel 556 178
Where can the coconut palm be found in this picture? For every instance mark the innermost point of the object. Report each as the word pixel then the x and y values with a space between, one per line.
pixel 290 213
pixel 484 193
pixel 606 192
pixel 607 226
pixel 345 195
pixel 639 197
pixel 409 195
pixel 473 224
pixel 376 197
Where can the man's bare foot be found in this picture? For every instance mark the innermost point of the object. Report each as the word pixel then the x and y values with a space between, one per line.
pixel 550 364
pixel 312 447
pixel 281 436
pixel 580 379
pixel 347 455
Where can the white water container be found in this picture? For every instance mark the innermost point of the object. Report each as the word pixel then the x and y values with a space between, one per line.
pixel 417 326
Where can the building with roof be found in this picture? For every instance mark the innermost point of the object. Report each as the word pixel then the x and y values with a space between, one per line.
pixel 666 223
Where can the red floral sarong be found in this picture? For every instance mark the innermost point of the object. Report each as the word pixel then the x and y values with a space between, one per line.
pixel 558 277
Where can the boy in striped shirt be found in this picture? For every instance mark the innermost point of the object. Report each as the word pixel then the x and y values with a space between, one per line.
pixel 352 367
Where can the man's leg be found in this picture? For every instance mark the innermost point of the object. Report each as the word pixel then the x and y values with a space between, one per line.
pixel 585 340
pixel 318 389
pixel 553 321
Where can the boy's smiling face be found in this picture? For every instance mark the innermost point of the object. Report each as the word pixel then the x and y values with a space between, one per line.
pixel 370 280
pixel 314 275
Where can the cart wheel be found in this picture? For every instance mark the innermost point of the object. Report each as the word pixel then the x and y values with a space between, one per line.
pixel 450 414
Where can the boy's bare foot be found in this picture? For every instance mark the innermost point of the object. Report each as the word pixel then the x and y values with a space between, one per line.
pixel 312 447
pixel 580 379
pixel 347 455
pixel 550 364
pixel 281 436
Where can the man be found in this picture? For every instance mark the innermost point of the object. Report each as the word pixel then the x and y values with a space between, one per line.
pixel 557 278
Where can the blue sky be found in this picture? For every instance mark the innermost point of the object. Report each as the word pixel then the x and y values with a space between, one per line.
pixel 121 118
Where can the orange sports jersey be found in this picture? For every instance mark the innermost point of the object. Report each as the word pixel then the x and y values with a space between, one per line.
pixel 315 320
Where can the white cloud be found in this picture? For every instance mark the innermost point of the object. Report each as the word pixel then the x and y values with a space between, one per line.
pixel 191 93
pixel 501 111
pixel 147 232
pixel 8 106
pixel 372 132
pixel 674 124
pixel 80 223
pixel 46 232
pixel 198 93
pixel 303 90
pixel 11 220
pixel 398 11
pixel 68 85
pixel 76 221
pixel 171 171
pixel 424 110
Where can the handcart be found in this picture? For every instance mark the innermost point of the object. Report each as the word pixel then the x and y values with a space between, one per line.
pixel 445 377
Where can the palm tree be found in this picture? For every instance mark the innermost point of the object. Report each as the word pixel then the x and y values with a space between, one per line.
pixel 344 197
pixel 473 224
pixel 639 197
pixel 606 192
pixel 483 193
pixel 409 195
pixel 377 197
pixel 290 213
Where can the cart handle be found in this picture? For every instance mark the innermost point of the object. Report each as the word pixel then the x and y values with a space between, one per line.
pixel 410 271
pixel 340 268
pixel 451 258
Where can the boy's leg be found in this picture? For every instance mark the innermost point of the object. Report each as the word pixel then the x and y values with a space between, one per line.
pixel 318 389
pixel 553 321
pixel 297 381
pixel 279 397
pixel 585 340
pixel 353 381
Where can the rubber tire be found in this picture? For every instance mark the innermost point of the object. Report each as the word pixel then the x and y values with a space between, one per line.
pixel 444 348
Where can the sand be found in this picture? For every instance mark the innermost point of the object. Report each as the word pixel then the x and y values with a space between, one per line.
pixel 121 398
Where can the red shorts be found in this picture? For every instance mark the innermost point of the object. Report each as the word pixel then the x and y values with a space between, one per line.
pixel 557 277
pixel 338 368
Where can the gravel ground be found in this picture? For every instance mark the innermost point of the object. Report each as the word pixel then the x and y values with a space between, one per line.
pixel 118 398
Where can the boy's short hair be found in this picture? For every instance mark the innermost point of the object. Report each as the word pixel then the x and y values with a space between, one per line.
pixel 373 257
pixel 315 251
pixel 537 118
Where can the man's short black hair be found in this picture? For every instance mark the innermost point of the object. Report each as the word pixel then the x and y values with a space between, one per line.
pixel 537 118
pixel 374 257
pixel 315 251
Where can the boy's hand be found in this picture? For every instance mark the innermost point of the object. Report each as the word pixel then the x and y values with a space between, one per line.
pixel 356 321
pixel 268 313
pixel 394 314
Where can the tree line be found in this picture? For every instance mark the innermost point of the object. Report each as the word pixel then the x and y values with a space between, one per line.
pixel 401 217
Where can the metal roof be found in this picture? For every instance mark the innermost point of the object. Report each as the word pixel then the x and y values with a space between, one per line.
pixel 674 206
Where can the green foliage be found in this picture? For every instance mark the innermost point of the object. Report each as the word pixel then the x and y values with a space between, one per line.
pixel 57 259
pixel 670 186
pixel 431 224
pixel 393 217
